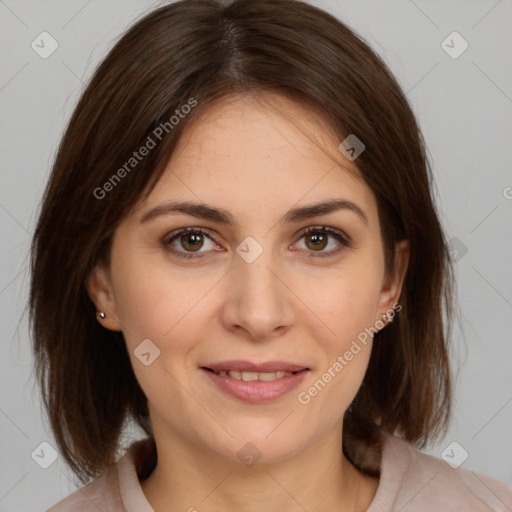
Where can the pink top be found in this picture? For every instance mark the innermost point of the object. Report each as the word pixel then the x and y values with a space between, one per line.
pixel 410 481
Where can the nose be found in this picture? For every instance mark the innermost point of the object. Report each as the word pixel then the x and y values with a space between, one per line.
pixel 259 302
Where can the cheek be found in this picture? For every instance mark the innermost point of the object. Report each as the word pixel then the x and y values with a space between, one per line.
pixel 154 301
pixel 345 302
pixel 138 302
pixel 155 304
pixel 347 305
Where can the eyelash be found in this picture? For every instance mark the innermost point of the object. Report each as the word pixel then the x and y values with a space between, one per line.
pixel 344 241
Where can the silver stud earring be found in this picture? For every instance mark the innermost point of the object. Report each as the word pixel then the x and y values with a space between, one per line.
pixel 385 318
pixel 101 314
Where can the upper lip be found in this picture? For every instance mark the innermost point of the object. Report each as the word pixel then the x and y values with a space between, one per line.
pixel 248 366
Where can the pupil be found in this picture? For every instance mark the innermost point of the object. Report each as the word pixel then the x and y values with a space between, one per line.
pixel 317 240
pixel 191 240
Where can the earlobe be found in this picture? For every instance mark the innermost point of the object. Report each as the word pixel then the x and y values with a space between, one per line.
pixel 100 292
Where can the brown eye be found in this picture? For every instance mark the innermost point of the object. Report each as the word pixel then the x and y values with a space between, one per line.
pixel 318 238
pixel 189 243
pixel 316 241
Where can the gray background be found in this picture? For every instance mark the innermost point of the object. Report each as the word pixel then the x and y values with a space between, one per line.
pixel 464 106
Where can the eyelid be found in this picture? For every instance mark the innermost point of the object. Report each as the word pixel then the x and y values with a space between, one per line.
pixel 327 229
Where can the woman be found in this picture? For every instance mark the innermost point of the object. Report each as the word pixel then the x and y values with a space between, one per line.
pixel 239 250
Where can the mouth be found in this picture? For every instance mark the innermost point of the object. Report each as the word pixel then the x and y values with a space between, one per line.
pixel 251 376
pixel 248 371
pixel 255 383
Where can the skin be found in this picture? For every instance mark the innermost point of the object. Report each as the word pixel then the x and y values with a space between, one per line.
pixel 290 304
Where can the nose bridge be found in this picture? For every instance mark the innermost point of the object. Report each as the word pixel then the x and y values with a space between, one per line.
pixel 258 299
pixel 256 269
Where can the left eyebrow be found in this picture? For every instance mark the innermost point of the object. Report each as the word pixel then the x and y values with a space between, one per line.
pixel 221 216
pixel 323 208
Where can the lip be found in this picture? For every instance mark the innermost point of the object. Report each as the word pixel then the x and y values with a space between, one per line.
pixel 257 391
pixel 248 366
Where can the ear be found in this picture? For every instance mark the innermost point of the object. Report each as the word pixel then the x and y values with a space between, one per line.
pixel 393 281
pixel 98 285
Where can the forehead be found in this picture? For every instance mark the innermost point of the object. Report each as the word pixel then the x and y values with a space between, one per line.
pixel 248 152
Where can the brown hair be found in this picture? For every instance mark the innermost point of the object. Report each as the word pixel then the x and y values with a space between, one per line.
pixel 205 50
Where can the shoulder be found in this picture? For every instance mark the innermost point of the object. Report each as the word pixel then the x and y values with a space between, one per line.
pixel 428 483
pixel 118 488
pixel 101 494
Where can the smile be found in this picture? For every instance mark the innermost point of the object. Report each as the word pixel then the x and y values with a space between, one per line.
pixel 249 376
pixel 255 383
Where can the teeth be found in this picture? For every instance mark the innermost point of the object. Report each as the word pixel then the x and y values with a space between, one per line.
pixel 249 376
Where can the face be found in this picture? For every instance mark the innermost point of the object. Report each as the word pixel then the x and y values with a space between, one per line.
pixel 258 285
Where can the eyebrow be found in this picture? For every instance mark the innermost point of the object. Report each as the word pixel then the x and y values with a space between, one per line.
pixel 221 216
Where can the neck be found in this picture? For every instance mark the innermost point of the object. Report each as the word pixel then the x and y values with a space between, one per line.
pixel 319 478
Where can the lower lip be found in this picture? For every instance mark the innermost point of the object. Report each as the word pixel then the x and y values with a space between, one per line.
pixel 256 391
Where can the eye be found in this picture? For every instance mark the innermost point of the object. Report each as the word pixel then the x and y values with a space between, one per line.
pixel 190 241
pixel 316 239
